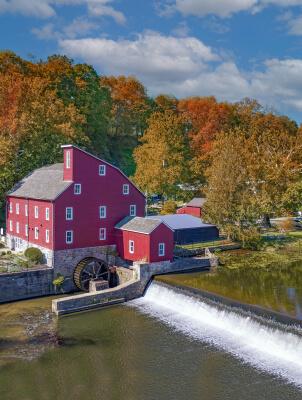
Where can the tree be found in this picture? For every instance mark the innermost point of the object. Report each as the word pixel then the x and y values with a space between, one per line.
pixel 130 109
pixel 162 158
pixel 205 119
pixel 275 156
pixel 33 126
pixel 230 196
pixel 169 207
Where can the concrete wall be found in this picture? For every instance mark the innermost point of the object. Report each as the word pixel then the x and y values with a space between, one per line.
pixel 24 285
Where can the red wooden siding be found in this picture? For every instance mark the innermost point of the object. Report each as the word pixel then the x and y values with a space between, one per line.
pixel 194 211
pixel 41 223
pixel 96 191
pixel 146 245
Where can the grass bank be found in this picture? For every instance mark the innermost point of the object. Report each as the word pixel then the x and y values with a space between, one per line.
pixel 276 251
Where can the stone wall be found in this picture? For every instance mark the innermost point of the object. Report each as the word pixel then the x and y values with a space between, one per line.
pixel 140 275
pixel 24 285
pixel 24 244
pixel 65 261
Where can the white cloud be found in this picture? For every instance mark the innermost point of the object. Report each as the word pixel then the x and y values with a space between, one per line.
pixel 151 56
pixel 295 26
pixel 36 8
pixel 77 28
pixel 101 8
pixel 47 8
pixel 47 32
pixel 187 67
pixel 224 8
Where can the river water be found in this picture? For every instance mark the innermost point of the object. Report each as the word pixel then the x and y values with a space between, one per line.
pixel 167 345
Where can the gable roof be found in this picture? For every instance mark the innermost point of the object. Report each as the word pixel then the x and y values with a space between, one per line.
pixel 45 183
pixel 138 224
pixel 105 162
pixel 196 202
pixel 181 221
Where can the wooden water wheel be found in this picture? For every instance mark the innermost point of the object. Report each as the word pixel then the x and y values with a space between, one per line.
pixel 90 269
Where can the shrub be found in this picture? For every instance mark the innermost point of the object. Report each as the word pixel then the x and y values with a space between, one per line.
pixel 169 207
pixel 58 281
pixel 286 225
pixel 33 254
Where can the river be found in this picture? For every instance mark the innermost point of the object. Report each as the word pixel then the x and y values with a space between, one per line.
pixel 167 345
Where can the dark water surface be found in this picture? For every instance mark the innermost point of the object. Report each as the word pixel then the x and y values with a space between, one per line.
pixel 275 288
pixel 118 353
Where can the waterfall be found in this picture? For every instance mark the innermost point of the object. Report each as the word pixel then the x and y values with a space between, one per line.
pixel 266 347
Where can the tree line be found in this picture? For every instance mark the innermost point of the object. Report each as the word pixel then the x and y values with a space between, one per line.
pixel 244 159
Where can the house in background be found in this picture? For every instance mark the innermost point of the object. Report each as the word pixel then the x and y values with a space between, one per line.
pixel 188 229
pixel 194 207
pixel 144 239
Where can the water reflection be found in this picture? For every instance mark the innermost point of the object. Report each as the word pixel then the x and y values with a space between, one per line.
pixel 277 288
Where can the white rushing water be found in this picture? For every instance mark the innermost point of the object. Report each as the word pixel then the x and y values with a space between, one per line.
pixel 265 347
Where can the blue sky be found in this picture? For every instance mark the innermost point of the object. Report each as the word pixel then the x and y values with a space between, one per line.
pixel 227 48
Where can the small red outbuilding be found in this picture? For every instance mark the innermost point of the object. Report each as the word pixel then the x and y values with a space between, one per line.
pixel 194 207
pixel 143 239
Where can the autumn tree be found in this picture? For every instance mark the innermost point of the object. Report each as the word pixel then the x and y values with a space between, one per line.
pixel 34 123
pixel 275 158
pixel 230 195
pixel 205 118
pixel 162 157
pixel 130 109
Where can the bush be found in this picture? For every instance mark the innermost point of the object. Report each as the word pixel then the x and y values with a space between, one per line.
pixel 286 225
pixel 33 254
pixel 58 281
pixel 169 207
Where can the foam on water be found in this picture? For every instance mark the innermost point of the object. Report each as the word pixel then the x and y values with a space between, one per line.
pixel 265 347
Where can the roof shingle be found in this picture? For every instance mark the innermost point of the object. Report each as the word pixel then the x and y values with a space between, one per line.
pixel 138 224
pixel 45 183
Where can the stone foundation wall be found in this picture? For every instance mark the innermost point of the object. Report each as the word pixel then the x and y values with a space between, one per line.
pixel 24 244
pixel 65 261
pixel 129 290
pixel 24 285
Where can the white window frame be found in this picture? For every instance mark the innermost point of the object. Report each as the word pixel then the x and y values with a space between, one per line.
pixel 67 159
pixel 11 226
pixel 36 233
pixel 10 207
pixel 132 210
pixel 102 169
pixel 103 212
pixel 103 234
pixel 47 235
pixel 77 189
pixel 17 227
pixel 126 189
pixel 69 213
pixel 131 246
pixel 26 230
pixel 161 249
pixel 17 208
pixel 47 213
pixel 36 212
pixel 26 210
pixel 68 241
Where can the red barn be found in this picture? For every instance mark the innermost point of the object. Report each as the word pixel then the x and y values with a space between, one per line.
pixel 71 206
pixel 194 207
pixel 143 239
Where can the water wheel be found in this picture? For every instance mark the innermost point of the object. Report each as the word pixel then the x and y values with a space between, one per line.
pixel 90 269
